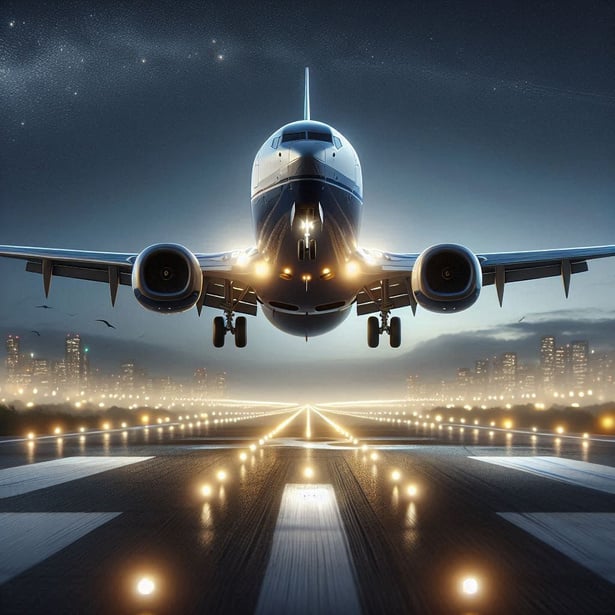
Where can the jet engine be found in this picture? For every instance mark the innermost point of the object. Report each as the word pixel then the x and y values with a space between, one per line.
pixel 166 277
pixel 446 278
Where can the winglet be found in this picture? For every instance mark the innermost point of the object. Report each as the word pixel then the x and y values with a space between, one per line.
pixel 306 97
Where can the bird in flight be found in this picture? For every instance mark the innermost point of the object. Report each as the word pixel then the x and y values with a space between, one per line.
pixel 106 322
pixel 35 332
pixel 45 306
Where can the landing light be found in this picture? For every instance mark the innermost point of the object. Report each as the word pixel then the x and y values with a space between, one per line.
pixel 352 268
pixel 146 586
pixel 261 269
pixel 469 586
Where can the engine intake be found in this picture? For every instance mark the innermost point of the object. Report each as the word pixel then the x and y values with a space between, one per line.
pixel 166 277
pixel 446 278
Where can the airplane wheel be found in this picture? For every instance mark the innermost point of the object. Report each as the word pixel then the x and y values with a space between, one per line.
pixel 373 332
pixel 395 332
pixel 219 331
pixel 301 250
pixel 312 249
pixel 241 338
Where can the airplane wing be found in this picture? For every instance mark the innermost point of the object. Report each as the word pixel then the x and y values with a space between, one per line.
pixel 115 268
pixel 394 270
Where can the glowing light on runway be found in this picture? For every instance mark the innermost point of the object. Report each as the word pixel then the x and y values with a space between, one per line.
pixel 469 586
pixel 412 490
pixel 242 457
pixel 395 475
pixel 308 472
pixel 146 586
pixel 374 456
pixel 206 490
pixel 31 436
pixel 221 475
pixel 57 431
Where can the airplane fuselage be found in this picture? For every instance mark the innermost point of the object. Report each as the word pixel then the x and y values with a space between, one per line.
pixel 307 199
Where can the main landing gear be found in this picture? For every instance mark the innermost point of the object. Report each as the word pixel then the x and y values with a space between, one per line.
pixel 224 324
pixel 377 326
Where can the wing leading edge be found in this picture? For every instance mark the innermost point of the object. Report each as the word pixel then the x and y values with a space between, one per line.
pixel 221 283
pixel 387 276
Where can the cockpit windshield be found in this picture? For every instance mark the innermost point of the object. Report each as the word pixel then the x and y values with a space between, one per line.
pixel 310 135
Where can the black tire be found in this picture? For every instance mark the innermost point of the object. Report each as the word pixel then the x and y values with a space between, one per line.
pixel 312 249
pixel 301 250
pixel 373 332
pixel 395 332
pixel 219 331
pixel 241 337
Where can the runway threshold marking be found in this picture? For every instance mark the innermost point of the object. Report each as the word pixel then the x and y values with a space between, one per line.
pixel 571 471
pixel 310 569
pixel 27 539
pixel 31 477
pixel 587 538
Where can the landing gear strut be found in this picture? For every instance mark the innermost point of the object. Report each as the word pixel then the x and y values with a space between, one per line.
pixel 376 327
pixel 224 324
pixel 386 324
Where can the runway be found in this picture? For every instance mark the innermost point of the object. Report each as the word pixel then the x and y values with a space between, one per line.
pixel 307 511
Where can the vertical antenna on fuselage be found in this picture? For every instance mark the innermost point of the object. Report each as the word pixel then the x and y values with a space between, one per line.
pixel 306 98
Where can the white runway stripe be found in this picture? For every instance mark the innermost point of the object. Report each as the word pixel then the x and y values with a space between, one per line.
pixel 310 569
pixel 592 475
pixel 23 479
pixel 29 538
pixel 587 538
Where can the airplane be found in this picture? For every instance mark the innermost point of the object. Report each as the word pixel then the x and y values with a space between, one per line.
pixel 307 269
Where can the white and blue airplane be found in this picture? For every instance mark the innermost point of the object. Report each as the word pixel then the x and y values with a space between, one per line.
pixel 306 269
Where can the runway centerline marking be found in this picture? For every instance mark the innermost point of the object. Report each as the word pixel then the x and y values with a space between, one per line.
pixel 27 539
pixel 31 477
pixel 571 471
pixel 587 538
pixel 310 569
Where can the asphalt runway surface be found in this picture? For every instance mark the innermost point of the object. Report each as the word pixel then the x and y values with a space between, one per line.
pixel 391 518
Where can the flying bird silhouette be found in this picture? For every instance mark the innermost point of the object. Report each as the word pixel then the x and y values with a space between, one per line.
pixel 45 306
pixel 521 319
pixel 106 322
pixel 35 332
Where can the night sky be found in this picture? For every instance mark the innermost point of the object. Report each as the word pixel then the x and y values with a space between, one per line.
pixel 490 124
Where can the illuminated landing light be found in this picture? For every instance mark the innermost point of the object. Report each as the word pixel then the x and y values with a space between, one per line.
pixel 352 268
pixel 286 274
pixel 469 586
pixel 327 274
pixel 412 490
pixel 261 269
pixel 242 457
pixel 308 472
pixel 395 475
pixel 221 476
pixel 146 586
pixel 206 490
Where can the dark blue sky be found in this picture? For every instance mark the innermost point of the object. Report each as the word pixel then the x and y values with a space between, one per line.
pixel 124 124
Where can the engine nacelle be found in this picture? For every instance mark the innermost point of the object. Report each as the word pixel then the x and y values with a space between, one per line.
pixel 446 278
pixel 166 277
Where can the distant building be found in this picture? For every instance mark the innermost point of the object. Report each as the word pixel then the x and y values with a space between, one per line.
pixel 579 356
pixel 199 382
pixel 221 385
pixel 547 363
pixel 12 359
pixel 74 361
